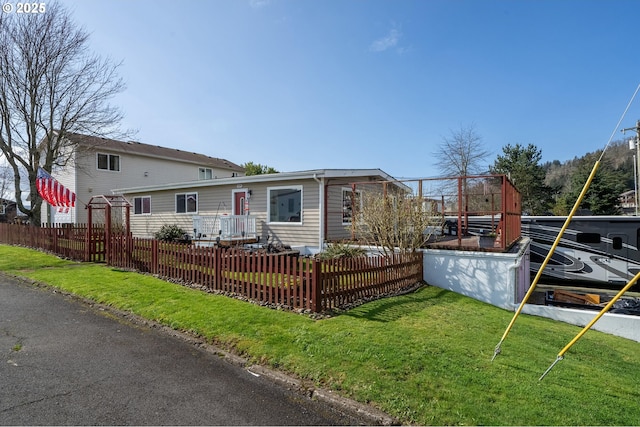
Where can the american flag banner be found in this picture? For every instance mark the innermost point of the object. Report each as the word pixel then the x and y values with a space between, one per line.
pixel 54 192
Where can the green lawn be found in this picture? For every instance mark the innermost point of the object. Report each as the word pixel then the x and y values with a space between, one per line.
pixel 424 357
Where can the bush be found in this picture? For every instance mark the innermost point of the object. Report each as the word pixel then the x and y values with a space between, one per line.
pixel 170 233
pixel 341 250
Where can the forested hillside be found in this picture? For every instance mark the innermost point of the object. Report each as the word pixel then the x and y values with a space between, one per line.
pixel 615 175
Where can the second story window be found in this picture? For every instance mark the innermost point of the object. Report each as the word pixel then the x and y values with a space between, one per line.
pixel 205 173
pixel 108 162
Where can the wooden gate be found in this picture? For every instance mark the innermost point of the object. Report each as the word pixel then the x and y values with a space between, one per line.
pixel 108 216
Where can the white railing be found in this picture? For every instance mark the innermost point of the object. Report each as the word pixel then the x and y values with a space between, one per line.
pixel 227 227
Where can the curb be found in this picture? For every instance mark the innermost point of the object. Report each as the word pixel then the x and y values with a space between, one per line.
pixel 370 415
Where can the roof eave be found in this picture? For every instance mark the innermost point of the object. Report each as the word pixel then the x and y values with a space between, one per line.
pixel 281 176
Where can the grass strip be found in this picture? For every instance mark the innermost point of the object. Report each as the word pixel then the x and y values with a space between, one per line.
pixel 423 357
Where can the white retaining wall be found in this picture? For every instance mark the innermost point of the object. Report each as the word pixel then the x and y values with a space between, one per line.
pixel 502 279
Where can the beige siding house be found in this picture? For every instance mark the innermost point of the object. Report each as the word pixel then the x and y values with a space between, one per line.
pixel 98 165
pixel 300 209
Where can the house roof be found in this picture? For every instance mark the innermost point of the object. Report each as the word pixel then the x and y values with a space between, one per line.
pixel 138 148
pixel 317 174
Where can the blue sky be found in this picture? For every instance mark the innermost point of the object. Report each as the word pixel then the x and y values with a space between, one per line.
pixel 312 84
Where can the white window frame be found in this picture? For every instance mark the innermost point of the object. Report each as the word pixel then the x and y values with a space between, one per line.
pixel 186 204
pixel 109 162
pixel 202 173
pixel 285 187
pixel 3 208
pixel 141 198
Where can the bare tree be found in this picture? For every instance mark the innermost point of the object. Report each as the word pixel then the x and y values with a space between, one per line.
pixel 395 222
pixel 50 85
pixel 6 181
pixel 462 153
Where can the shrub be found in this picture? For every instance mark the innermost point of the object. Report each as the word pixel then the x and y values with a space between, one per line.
pixel 170 233
pixel 341 250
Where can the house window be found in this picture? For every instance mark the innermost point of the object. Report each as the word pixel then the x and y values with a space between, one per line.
pixel 187 203
pixel 351 203
pixel 142 205
pixel 2 209
pixel 205 173
pixel 285 204
pixel 108 162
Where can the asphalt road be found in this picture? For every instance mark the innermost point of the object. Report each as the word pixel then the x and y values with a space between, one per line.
pixel 65 362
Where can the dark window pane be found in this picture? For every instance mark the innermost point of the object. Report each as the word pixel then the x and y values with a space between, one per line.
pixel 617 243
pixel 591 238
pixel 103 160
pixel 115 163
pixel 181 205
pixel 192 203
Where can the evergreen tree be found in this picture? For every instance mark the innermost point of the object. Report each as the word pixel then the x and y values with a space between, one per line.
pixel 522 165
pixel 602 198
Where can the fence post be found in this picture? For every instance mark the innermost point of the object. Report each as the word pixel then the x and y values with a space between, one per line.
pixel 316 286
pixel 87 237
pixel 154 257
pixel 217 268
pixel 107 235
pixel 129 243
pixel 54 241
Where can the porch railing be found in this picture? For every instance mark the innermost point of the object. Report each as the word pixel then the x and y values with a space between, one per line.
pixel 227 227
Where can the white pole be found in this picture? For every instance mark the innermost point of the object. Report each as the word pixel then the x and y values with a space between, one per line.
pixel 636 166
pixel 635 182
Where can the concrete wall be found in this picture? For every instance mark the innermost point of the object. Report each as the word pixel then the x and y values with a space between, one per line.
pixel 500 279
pixel 621 325
pixel 503 280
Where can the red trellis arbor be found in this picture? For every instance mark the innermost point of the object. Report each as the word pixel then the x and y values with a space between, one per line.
pixel 108 223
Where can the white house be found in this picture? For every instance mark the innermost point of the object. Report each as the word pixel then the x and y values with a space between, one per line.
pixel 98 165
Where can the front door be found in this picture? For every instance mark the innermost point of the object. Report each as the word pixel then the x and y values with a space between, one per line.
pixel 240 202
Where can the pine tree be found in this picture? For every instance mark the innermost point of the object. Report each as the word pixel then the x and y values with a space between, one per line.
pixel 522 166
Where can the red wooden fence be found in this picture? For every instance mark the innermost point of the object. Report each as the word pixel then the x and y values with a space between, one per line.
pixel 67 240
pixel 347 280
pixel 276 279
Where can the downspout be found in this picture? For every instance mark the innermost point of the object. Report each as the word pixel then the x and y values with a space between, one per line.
pixel 515 267
pixel 321 232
